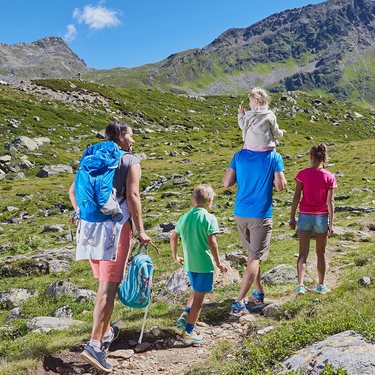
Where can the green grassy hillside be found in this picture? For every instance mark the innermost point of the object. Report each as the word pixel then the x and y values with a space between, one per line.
pixel 204 130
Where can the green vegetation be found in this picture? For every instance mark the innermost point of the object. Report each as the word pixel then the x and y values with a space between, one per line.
pixel 205 130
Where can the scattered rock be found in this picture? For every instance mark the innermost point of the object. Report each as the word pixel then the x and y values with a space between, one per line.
pixel 15 297
pixel 282 274
pixel 64 312
pixel 54 170
pixel 271 311
pixel 46 323
pixel 122 354
pixel 22 143
pixel 364 281
pixel 142 347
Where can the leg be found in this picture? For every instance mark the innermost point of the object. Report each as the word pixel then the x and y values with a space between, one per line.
pixel 191 299
pixel 251 273
pixel 321 242
pixel 304 237
pixel 196 307
pixel 104 302
pixel 256 282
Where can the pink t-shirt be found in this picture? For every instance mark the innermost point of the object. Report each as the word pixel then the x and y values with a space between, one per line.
pixel 315 185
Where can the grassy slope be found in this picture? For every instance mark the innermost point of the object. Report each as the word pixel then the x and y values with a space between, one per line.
pixel 214 143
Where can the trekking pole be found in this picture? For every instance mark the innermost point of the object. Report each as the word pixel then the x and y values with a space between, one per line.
pixel 154 246
pixel 143 325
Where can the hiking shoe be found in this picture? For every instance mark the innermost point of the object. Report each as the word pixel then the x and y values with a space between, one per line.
pixel 182 320
pixel 300 290
pixel 116 332
pixel 96 359
pixel 239 310
pixel 258 297
pixel 192 338
pixel 322 288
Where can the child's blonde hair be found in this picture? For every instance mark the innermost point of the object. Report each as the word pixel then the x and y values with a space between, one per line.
pixel 203 193
pixel 260 95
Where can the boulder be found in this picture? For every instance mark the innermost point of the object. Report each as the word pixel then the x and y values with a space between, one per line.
pixel 47 323
pixel 64 312
pixel 282 274
pixel 22 143
pixel 347 350
pixel 41 140
pixel 54 170
pixel 15 297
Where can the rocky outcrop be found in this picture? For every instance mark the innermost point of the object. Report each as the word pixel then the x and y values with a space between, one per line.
pixel 45 58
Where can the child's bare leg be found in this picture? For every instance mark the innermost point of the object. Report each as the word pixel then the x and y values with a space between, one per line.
pixel 191 299
pixel 321 242
pixel 196 307
pixel 304 237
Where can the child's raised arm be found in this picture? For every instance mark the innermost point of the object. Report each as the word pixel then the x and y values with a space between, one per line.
pixel 173 243
pixel 215 252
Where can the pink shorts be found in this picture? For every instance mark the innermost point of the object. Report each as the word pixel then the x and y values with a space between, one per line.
pixel 113 272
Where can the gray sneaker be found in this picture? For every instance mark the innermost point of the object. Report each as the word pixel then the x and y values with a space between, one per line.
pixel 96 359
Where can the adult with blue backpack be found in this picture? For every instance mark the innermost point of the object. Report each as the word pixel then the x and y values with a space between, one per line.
pixel 105 196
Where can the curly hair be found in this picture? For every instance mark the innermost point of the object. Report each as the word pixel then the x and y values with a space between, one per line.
pixel 319 152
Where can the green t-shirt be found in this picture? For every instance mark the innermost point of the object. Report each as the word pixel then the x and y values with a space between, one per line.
pixel 194 227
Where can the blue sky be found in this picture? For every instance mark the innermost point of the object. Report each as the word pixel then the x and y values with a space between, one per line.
pixel 113 33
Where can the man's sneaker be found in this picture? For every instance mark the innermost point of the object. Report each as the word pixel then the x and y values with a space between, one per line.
pixel 182 320
pixel 258 297
pixel 96 359
pixel 300 290
pixel 116 332
pixel 192 338
pixel 322 288
pixel 239 310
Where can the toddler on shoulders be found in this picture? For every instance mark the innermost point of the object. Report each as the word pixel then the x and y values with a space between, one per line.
pixel 259 125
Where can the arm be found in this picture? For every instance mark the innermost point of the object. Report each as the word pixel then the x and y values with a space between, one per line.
pixel 72 196
pixel 296 200
pixel 279 181
pixel 275 130
pixel 212 244
pixel 229 178
pixel 133 200
pixel 331 209
pixel 173 243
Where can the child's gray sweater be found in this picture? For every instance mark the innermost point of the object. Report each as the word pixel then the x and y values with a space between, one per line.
pixel 259 127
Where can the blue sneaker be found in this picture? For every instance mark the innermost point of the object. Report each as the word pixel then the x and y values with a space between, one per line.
pixel 96 359
pixel 239 310
pixel 182 320
pixel 116 332
pixel 258 297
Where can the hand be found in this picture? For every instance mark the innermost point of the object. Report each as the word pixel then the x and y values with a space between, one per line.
pixel 241 109
pixel 330 230
pixel 283 130
pixel 179 260
pixel 222 267
pixel 143 238
pixel 292 223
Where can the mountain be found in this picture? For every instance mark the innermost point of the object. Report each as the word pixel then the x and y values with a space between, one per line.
pixel 327 48
pixel 46 58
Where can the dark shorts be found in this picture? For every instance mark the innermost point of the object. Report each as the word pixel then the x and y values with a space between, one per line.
pixel 201 282
pixel 255 235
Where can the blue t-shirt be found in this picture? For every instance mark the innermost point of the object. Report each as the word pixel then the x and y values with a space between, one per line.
pixel 255 174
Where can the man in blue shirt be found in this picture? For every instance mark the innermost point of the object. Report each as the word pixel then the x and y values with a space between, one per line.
pixel 256 173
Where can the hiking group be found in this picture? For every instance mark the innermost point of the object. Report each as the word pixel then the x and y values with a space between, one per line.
pixel 256 169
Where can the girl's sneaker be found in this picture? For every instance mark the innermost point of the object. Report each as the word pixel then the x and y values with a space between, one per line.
pixel 239 310
pixel 258 297
pixel 322 288
pixel 300 290
pixel 182 320
pixel 192 338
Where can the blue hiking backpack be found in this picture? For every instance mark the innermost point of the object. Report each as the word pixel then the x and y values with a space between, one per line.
pixel 135 289
pixel 93 186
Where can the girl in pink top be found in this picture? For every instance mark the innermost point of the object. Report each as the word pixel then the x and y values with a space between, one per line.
pixel 315 214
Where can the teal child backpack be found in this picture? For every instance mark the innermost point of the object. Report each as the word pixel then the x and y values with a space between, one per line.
pixel 135 289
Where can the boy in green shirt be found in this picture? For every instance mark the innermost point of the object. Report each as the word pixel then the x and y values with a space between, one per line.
pixel 197 229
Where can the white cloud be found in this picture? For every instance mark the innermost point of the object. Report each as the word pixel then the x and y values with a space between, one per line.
pixel 97 17
pixel 71 33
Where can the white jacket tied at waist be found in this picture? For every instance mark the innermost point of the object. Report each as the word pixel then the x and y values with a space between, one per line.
pixel 259 127
pixel 99 240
